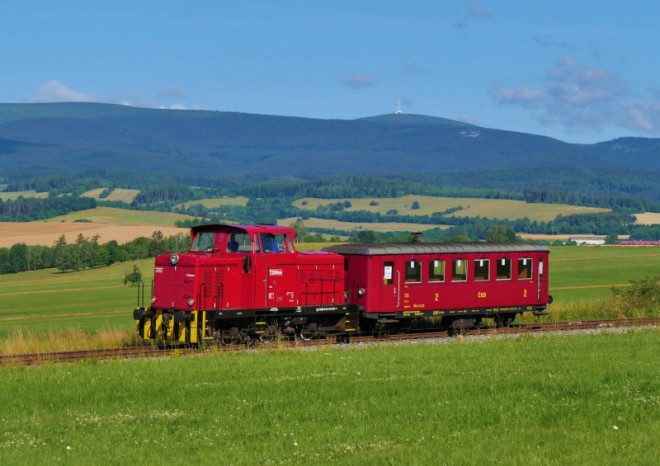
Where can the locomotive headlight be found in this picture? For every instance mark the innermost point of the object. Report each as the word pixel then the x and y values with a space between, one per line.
pixel 153 300
pixel 191 302
pixel 361 291
pixel 174 259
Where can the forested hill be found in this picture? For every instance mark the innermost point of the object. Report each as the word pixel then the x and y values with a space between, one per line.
pixel 41 139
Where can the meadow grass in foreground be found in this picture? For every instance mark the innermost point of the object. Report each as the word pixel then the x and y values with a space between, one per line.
pixel 582 399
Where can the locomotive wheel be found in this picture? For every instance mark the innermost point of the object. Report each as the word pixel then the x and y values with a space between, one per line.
pixel 231 336
pixel 271 333
pixel 308 332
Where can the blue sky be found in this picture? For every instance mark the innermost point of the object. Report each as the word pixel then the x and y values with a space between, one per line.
pixel 574 70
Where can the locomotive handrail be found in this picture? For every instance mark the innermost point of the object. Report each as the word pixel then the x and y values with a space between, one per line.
pixel 140 294
pixel 398 289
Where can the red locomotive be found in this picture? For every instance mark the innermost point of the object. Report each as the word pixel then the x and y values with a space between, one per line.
pixel 239 283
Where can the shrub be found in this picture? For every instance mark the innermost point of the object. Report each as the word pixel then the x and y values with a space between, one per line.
pixel 643 296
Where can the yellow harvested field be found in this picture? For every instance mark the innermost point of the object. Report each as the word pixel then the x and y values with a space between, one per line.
pixel 350 226
pixel 11 196
pixel 109 223
pixel 210 203
pixel 119 195
pixel 648 218
pixel 470 207
pixel 122 217
pixel 47 233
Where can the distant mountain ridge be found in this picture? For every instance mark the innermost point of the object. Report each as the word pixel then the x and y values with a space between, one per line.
pixel 77 137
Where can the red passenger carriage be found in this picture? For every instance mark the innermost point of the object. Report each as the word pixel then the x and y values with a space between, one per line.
pixel 459 282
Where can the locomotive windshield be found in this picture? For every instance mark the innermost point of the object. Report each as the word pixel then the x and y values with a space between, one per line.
pixel 204 241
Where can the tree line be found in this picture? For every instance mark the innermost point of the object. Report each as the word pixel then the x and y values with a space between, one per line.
pixel 25 209
pixel 87 253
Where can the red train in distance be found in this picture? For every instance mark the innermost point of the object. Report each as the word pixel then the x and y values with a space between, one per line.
pixel 241 283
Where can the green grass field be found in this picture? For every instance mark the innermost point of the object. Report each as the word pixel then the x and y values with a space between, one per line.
pixel 90 300
pixel 580 273
pixel 472 207
pixel 582 399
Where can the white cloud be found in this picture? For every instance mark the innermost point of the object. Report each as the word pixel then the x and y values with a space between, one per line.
pixel 359 81
pixel 523 94
pixel 580 97
pixel 54 91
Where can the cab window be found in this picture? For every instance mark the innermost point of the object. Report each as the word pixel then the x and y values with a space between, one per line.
pixel 204 241
pixel 270 242
pixel 239 242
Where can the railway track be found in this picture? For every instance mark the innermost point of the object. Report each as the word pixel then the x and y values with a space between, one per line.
pixel 156 351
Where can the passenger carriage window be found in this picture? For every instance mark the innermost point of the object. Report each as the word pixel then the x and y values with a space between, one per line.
pixel 504 269
pixel 525 268
pixel 459 269
pixel 413 271
pixel 481 270
pixel 388 273
pixel 437 271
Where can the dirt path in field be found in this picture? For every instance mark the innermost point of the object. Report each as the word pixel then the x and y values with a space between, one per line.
pixel 47 233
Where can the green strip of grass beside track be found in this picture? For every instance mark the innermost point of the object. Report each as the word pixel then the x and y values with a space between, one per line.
pixel 585 399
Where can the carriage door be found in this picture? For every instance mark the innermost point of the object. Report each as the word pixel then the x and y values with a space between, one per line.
pixel 539 279
pixel 391 280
